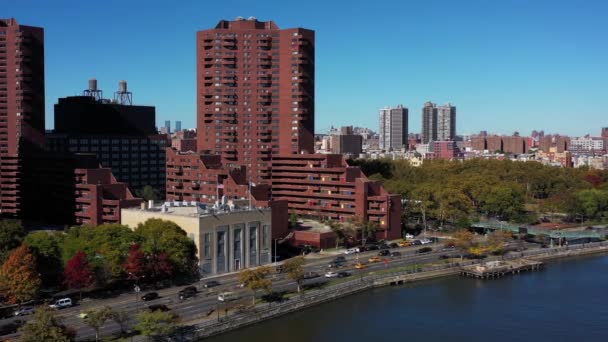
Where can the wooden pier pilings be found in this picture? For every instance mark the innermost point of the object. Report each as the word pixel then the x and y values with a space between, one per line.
pixel 496 269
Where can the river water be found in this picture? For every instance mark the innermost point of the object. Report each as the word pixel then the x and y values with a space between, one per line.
pixel 567 301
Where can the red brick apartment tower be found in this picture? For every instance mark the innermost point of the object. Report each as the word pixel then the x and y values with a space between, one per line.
pixel 21 105
pixel 255 93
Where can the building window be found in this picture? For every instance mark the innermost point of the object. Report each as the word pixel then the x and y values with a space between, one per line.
pixel 207 246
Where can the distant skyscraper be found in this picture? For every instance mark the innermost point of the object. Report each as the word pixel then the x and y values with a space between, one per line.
pixel 168 126
pixel 393 128
pixel 446 122
pixel 178 126
pixel 429 123
pixel 605 132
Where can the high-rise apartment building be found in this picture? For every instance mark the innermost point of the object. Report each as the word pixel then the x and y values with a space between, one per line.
pixel 393 128
pixel 438 123
pixel 346 142
pixel 255 93
pixel 429 122
pixel 178 126
pixel 446 123
pixel 21 105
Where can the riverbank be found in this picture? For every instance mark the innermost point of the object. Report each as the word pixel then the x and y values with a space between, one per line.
pixel 316 297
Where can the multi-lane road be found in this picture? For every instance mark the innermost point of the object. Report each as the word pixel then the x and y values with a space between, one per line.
pixel 205 302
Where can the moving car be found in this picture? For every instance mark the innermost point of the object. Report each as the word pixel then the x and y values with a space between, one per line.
pixel 426 241
pixel 360 266
pixel 396 254
pixel 149 296
pixel 404 243
pixel 351 251
pixel 331 274
pixel 340 259
pixel 409 236
pixel 211 283
pixel 226 296
pixel 393 245
pixel 335 264
pixel 83 315
pixel 310 275
pixel 187 292
pixel 416 243
pixel 158 307
pixel 444 256
pixel 24 311
pixel 424 250
pixel 374 259
pixel 61 303
pixel 344 274
pixel 384 252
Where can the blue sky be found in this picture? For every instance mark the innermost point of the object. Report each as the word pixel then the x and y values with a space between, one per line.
pixel 507 65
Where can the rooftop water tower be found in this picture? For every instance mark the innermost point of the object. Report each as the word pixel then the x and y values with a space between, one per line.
pixel 123 96
pixel 93 91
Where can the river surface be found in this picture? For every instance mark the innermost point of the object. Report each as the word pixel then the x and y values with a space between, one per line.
pixel 567 301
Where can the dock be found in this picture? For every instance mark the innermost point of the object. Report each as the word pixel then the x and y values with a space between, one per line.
pixel 495 269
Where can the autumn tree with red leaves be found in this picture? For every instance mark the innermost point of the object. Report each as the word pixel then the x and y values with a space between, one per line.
pixel 19 280
pixel 135 265
pixel 78 274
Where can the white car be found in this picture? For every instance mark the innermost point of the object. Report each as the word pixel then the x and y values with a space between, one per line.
pixel 24 311
pixel 351 251
pixel 409 236
pixel 61 303
pixel 331 274
pixel 425 241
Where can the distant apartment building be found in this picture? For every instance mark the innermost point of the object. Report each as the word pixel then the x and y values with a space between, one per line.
pixel 444 150
pixel 429 122
pixel 255 91
pixel 167 127
pixel 122 136
pixel 557 142
pixel 178 126
pixel 513 144
pixel 446 123
pixel 21 107
pixel 184 141
pixel 393 133
pixel 326 187
pixel 346 142
pixel 228 238
pixel 591 146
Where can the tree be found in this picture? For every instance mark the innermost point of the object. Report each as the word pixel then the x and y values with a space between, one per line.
pixel 462 239
pixel 337 228
pixel 293 220
pixel 45 247
pixel 11 235
pixel 45 327
pixel 97 318
pixel 148 193
pixel 135 265
pixel 294 268
pixel 78 273
pixel 155 323
pixel 121 318
pixel 159 266
pixel 19 280
pixel 255 279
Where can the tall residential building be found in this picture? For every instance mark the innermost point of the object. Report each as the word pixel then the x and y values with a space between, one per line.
pixel 393 128
pixel 346 142
pixel 429 123
pixel 167 127
pixel 21 106
pixel 255 93
pixel 446 123
pixel 178 126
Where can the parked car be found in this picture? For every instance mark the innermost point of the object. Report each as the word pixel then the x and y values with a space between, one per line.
pixel 158 307
pixel 426 241
pixel 384 252
pixel 149 296
pixel 187 292
pixel 211 283
pixel 24 311
pixel 360 266
pixel 409 236
pixel 374 259
pixel 396 254
pixel 344 274
pixel 335 264
pixel 393 245
pixel 61 303
pixel 351 251
pixel 416 243
pixel 331 274
pixel 424 250
pixel 11 327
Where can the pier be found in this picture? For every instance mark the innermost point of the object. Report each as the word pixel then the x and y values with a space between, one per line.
pixel 495 269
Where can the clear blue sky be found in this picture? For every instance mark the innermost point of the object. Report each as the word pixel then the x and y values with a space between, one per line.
pixel 507 65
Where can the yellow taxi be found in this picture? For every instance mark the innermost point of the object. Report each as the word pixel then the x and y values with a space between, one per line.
pixel 374 259
pixel 360 266
pixel 404 243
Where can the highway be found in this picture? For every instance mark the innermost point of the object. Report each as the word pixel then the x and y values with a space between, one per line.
pixel 194 309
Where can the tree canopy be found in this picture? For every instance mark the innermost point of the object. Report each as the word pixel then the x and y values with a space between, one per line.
pixel 19 279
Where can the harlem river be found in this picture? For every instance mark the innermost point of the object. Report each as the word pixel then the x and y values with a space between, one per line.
pixel 567 301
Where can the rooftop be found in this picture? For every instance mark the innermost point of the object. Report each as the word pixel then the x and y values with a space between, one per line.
pixel 196 209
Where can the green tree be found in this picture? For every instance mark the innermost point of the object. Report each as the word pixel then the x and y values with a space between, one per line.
pixel 148 193
pixel 97 318
pixel 45 327
pixel 121 318
pixel 338 229
pixel 294 268
pixel 256 279
pixel 156 323
pixel 46 248
pixel 19 279
pixel 293 220
pixel 159 236
pixel 11 235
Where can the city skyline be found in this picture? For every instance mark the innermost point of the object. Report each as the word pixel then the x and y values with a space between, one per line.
pixel 505 63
